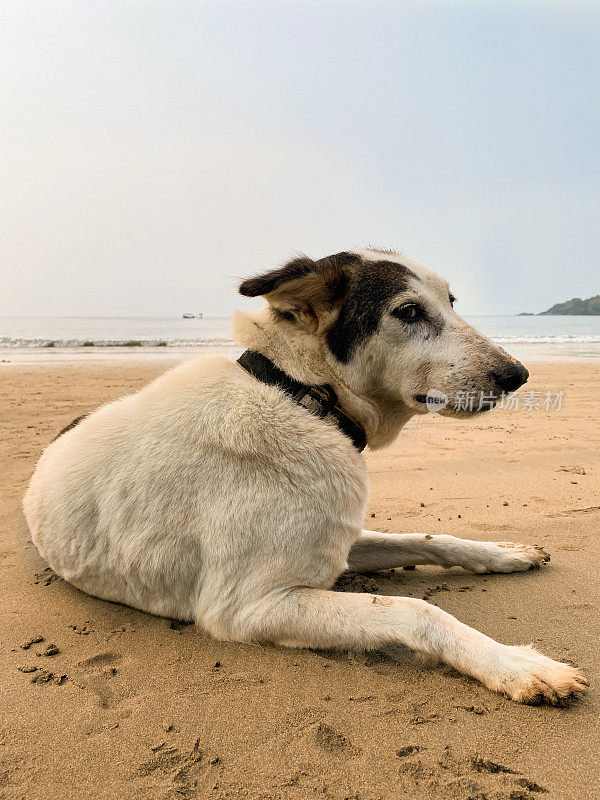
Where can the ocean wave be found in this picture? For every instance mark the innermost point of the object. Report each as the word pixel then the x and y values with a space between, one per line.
pixel 141 341
pixel 16 342
pixel 541 339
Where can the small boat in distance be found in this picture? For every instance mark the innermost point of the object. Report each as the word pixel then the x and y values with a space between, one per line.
pixel 193 316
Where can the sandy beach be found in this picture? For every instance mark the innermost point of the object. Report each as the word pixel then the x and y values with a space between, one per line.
pixel 101 702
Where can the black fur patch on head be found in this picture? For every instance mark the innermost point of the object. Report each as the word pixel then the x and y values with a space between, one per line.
pixel 339 265
pixel 370 288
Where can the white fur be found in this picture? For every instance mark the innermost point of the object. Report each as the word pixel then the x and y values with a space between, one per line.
pixel 209 496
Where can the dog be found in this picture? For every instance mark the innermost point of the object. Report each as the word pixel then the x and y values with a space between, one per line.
pixel 233 494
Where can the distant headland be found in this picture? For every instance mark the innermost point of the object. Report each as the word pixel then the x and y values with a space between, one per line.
pixel 576 306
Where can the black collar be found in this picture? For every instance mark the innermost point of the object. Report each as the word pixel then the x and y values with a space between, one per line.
pixel 321 401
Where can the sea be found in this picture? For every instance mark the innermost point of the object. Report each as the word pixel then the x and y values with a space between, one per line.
pixel 37 339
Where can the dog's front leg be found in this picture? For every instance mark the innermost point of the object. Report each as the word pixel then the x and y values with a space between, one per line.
pixel 373 551
pixel 316 618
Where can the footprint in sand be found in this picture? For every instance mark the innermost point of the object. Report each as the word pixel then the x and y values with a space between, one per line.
pixel 100 660
pixel 430 777
pixel 334 742
pixel 46 577
pixel 571 469
pixel 184 775
pixel 98 676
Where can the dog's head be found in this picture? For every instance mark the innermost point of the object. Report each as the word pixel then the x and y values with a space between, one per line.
pixel 389 327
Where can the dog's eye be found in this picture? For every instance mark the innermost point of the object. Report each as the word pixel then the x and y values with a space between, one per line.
pixel 409 312
pixel 452 299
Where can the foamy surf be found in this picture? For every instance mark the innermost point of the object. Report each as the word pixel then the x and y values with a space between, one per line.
pixel 19 342
pixel 77 338
pixel 45 342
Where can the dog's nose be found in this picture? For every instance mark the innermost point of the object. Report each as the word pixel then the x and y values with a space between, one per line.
pixel 510 379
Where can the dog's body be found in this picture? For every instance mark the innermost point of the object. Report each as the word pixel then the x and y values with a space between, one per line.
pixel 213 497
pixel 190 499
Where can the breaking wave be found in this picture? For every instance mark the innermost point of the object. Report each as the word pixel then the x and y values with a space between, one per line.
pixel 16 342
pixel 541 339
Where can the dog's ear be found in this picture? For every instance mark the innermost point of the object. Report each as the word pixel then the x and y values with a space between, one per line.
pixel 304 290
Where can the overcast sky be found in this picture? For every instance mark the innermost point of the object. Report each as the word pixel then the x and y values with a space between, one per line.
pixel 154 151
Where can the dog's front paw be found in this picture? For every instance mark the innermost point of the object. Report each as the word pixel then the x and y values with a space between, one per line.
pixel 530 677
pixel 505 557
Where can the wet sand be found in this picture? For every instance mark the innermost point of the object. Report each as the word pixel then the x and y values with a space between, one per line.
pixel 113 703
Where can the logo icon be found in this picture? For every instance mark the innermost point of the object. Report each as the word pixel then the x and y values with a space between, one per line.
pixel 435 401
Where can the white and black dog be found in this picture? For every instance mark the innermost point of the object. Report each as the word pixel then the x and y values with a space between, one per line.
pixel 234 494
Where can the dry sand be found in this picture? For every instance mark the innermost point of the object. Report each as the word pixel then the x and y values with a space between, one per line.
pixel 133 706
